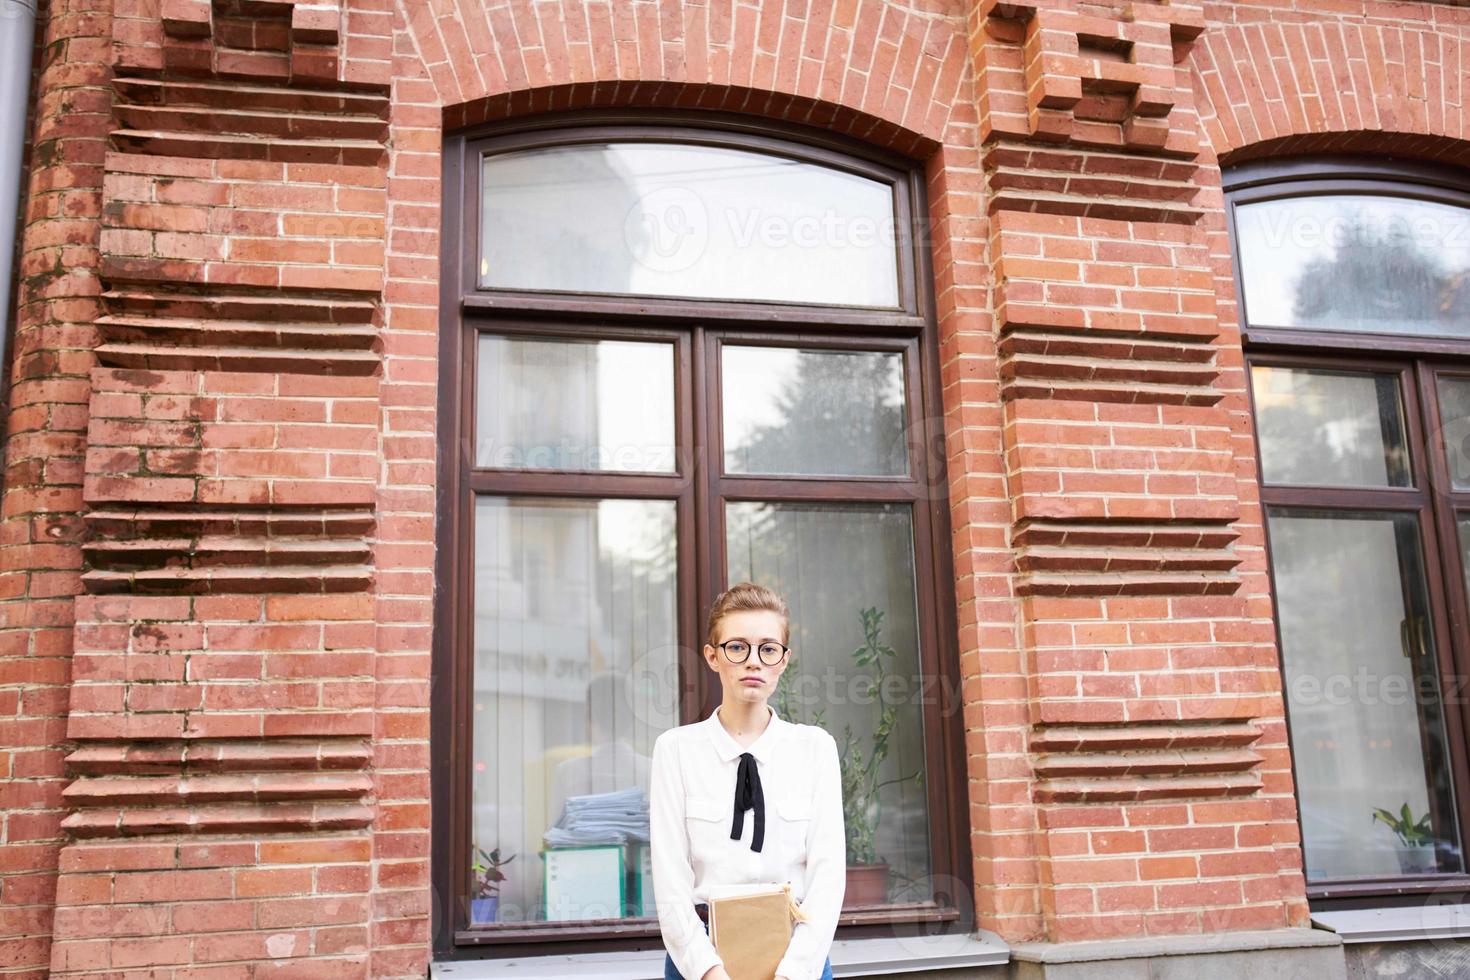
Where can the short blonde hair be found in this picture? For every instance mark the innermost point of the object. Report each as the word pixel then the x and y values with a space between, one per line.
pixel 746 597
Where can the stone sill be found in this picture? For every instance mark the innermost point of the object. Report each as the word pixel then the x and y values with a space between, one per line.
pixel 1397 925
pixel 850 958
pixel 1149 947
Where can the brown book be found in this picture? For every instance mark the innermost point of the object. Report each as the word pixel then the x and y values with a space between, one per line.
pixel 751 926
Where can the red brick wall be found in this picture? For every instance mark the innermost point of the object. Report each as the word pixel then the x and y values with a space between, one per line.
pixel 217 526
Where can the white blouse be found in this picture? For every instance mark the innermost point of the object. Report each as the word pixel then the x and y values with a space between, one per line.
pixel 691 804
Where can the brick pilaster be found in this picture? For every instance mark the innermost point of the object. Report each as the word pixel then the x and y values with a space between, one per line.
pixel 40 526
pixel 1155 737
pixel 221 710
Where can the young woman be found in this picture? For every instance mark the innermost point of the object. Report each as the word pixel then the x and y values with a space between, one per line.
pixel 745 796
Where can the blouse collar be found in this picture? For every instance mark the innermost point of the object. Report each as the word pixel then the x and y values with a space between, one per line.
pixel 763 748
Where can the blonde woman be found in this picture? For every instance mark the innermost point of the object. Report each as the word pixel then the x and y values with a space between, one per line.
pixel 745 796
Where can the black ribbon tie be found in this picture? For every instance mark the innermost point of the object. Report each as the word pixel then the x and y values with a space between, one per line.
pixel 748 794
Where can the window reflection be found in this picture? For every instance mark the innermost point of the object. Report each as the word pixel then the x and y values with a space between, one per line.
pixel 664 219
pixel 1330 428
pixel 1454 420
pixel 1356 263
pixel 544 403
pixel 1464 528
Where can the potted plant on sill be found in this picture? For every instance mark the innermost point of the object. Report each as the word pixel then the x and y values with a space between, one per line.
pixel 485 902
pixel 1415 852
pixel 867 873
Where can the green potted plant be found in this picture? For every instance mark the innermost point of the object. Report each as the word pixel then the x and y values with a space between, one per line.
pixel 485 902
pixel 1415 852
pixel 861 762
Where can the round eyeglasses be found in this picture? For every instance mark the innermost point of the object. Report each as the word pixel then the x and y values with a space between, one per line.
pixel 738 651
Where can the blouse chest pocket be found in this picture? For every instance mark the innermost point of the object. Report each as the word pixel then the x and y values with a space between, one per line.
pixel 796 820
pixel 703 818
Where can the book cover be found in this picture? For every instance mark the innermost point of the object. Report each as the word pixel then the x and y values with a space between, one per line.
pixel 751 926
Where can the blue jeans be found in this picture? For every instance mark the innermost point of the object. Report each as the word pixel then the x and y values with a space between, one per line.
pixel 670 973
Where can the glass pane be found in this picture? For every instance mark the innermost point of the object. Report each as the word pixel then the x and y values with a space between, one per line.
pixel 1355 262
pixel 665 219
pixel 574 404
pixel 1464 523
pixel 1330 428
pixel 847 574
pixel 575 633
pixel 813 411
pixel 1454 420
pixel 1367 724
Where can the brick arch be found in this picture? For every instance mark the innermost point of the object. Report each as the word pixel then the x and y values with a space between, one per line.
pixel 783 106
pixel 887 71
pixel 1325 86
pixel 896 74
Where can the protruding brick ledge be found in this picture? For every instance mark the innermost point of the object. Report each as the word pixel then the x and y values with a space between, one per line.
pixel 1064 558
pixel 238 330
pixel 1147 761
pixel 203 756
pixel 1089 182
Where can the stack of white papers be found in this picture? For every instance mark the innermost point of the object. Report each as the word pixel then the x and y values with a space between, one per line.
pixel 601 818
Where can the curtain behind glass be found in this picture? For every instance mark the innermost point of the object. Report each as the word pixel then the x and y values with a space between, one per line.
pixel 575 618
pixel 1366 722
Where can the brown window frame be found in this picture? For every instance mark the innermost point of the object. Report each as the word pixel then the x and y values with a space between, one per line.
pixel 1415 361
pixel 697 328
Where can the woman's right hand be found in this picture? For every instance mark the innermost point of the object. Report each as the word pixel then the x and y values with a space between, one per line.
pixel 716 972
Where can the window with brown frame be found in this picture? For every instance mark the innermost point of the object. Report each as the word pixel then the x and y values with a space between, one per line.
pixel 682 351
pixel 1355 291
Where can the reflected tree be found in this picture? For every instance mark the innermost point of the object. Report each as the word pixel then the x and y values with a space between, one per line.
pixel 820 424
pixel 1380 276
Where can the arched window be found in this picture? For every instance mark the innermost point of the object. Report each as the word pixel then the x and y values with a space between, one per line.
pixel 675 357
pixel 1355 294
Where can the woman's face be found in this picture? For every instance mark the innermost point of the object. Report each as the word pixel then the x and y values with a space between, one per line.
pixel 752 682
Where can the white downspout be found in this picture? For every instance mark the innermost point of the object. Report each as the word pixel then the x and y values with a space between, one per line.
pixel 17 38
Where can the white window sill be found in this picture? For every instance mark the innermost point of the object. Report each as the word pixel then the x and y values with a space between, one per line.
pixel 1397 925
pixel 850 958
